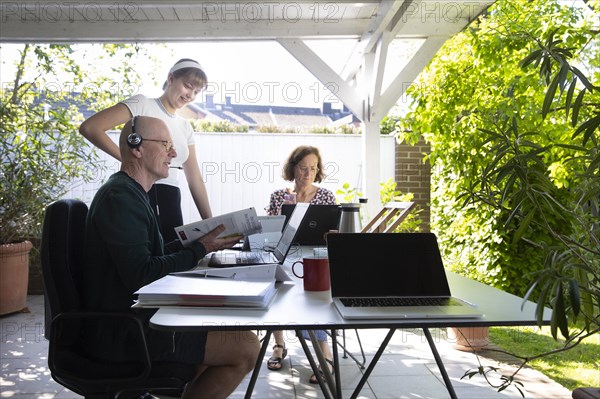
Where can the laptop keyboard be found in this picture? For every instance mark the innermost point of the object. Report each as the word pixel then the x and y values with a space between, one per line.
pixel 395 301
pixel 249 257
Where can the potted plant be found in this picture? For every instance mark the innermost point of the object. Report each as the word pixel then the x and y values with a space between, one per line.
pixel 42 152
pixel 468 339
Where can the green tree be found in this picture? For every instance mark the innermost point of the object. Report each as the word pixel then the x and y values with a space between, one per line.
pixel 512 109
pixel 467 104
pixel 41 110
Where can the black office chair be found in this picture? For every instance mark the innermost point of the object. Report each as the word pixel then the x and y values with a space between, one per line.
pixel 62 261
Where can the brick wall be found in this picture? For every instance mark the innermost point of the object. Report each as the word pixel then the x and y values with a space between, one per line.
pixel 413 175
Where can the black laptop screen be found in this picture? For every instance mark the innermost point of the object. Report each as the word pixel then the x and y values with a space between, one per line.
pixel 318 221
pixel 394 264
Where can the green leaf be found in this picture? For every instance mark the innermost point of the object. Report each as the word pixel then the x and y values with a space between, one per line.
pixel 528 293
pixel 574 296
pixel 569 98
pixel 550 93
pixel 583 79
pixel 576 109
pixel 563 74
pixel 541 304
pixel 559 318
pixel 588 127
pixel 533 56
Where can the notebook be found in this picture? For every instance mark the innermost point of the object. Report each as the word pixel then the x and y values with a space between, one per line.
pixel 318 221
pixel 239 258
pixel 272 227
pixel 391 276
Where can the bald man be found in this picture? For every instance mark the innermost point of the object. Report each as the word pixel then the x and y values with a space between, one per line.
pixel 124 251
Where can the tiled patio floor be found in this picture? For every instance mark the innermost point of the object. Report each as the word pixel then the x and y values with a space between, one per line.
pixel 406 370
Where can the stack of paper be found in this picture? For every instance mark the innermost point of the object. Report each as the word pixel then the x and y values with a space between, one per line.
pixel 197 290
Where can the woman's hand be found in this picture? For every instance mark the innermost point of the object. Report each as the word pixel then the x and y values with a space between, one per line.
pixel 289 197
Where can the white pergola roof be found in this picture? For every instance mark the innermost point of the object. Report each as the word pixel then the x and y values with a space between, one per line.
pixel 375 25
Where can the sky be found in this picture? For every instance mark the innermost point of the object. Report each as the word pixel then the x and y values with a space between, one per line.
pixel 257 72
pixel 247 72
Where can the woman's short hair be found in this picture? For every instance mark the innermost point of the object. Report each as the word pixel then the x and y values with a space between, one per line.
pixel 193 73
pixel 298 155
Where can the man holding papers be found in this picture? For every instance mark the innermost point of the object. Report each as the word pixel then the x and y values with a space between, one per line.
pixel 125 251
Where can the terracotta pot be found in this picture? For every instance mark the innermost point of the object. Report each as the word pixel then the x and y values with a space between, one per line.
pixel 14 275
pixel 469 339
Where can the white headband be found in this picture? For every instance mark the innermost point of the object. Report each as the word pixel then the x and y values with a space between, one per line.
pixel 186 64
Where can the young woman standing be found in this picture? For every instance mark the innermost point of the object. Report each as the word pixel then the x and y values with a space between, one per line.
pixel 185 80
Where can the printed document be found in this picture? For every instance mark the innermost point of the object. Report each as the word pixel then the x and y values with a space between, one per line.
pixel 239 223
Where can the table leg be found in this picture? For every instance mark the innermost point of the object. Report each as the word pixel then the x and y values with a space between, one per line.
pixel 336 364
pixel 440 363
pixel 257 366
pixel 373 362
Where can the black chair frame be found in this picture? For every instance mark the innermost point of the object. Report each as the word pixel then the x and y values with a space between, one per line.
pixel 70 365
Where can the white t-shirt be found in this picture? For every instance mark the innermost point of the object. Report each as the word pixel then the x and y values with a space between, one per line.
pixel 182 132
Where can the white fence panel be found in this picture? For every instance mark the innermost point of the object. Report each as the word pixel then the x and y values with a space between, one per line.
pixel 242 169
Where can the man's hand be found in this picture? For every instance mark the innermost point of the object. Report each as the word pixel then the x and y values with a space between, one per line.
pixel 212 243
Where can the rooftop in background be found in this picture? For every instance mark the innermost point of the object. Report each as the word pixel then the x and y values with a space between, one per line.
pixel 254 115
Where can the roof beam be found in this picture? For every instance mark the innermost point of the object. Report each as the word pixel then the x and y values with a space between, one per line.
pixel 49 21
pixel 161 31
pixel 377 71
pixel 406 76
pixel 347 94
pixel 370 37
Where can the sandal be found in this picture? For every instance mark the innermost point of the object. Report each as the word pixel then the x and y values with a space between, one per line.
pixel 313 378
pixel 275 363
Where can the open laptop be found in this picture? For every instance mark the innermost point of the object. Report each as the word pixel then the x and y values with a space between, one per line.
pixel 391 276
pixel 272 227
pixel 240 258
pixel 318 221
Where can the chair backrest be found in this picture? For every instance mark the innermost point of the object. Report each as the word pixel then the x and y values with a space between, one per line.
pixel 390 217
pixel 62 256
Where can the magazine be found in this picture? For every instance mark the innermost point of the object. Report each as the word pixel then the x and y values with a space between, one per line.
pixel 239 223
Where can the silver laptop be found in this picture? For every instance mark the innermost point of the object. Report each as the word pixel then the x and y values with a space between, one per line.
pixel 272 227
pixel 391 276
pixel 240 258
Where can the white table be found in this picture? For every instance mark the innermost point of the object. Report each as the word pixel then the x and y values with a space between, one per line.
pixel 296 309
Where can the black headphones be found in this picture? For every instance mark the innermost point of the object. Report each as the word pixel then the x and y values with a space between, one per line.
pixel 134 140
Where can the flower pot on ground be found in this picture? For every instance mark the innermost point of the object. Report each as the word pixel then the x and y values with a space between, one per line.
pixel 14 276
pixel 469 339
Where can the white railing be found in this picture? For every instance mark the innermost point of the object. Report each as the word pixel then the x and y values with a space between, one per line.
pixel 242 169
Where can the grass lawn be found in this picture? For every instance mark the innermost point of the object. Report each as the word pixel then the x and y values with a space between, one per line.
pixel 577 367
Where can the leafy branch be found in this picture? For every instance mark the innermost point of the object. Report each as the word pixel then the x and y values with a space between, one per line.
pixel 508 380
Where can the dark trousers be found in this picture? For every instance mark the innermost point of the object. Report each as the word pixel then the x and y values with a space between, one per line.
pixel 166 202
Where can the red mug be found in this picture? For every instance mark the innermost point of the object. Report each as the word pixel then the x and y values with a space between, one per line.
pixel 315 273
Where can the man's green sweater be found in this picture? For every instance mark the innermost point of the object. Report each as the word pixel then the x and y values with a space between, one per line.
pixel 123 252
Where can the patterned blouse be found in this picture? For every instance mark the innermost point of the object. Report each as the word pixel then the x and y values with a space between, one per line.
pixel 322 197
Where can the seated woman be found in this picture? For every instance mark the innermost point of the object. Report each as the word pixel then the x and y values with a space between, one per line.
pixel 303 167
